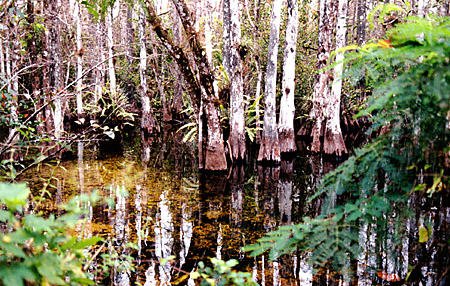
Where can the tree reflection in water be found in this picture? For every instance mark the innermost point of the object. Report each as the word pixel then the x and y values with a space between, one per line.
pixel 121 227
pixel 164 239
pixel 172 211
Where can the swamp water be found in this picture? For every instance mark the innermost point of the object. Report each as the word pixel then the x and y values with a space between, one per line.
pixel 166 211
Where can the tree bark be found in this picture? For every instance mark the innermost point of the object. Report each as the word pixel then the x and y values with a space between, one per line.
pixel 110 42
pixel 58 73
pixel 79 55
pixel 321 93
pixel 287 104
pixel 99 72
pixel 35 54
pixel 12 46
pixel 177 100
pixel 147 122
pixel 259 72
pixel 361 22
pixel 178 53
pixel 157 67
pixel 270 149
pixel 445 9
pixel 226 51
pixel 333 140
pixel 233 66
pixel 2 64
pixel 258 96
pixel 46 69
pixel 128 37
pixel 421 6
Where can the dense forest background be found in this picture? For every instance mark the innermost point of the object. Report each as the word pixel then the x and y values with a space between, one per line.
pixel 238 72
pixel 237 83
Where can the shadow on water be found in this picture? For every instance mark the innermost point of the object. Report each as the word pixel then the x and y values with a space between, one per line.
pixel 165 209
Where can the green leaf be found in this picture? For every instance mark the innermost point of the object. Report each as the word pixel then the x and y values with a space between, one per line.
pixel 69 244
pixel 354 215
pixel 86 242
pixel 5 216
pixel 49 266
pixel 83 281
pixel 15 274
pixel 14 196
pixel 194 275
pixel 39 224
pixel 231 263
pixel 11 248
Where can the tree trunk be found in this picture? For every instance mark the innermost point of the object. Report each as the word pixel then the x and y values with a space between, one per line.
pixel 445 9
pixel 211 147
pixel 258 102
pixel 333 140
pixel 421 5
pixel 178 53
pixel 233 66
pixel 147 122
pixel 58 74
pixel 287 105
pixel 226 51
pixel 35 59
pixel 177 100
pixel 128 31
pixel 8 56
pixel 56 80
pixel 110 41
pixel 12 45
pixel 259 72
pixel 79 55
pixel 159 78
pixel 200 88
pixel 321 95
pixel 361 22
pixel 99 72
pixel 2 64
pixel 270 149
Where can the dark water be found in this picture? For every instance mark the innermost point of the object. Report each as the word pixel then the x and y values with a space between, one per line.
pixel 166 209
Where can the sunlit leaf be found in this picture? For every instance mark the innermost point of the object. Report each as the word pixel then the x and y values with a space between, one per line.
pixel 423 234
pixel 82 244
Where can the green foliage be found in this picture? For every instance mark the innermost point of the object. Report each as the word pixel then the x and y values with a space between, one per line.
pixel 17 119
pixel 120 261
pixel 323 237
pixel 191 134
pixel 97 8
pixel 112 111
pixel 221 273
pixel 189 128
pixel 408 111
pixel 383 11
pixel 14 196
pixel 40 251
pixel 252 119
